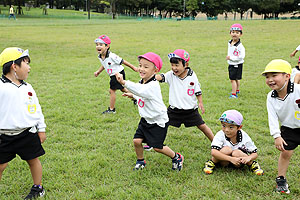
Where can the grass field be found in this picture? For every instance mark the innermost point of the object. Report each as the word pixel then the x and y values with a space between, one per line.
pixel 90 156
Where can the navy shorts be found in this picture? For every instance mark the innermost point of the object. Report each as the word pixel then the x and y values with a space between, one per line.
pixel 235 71
pixel 152 134
pixel 27 145
pixel 291 136
pixel 114 84
pixel 189 117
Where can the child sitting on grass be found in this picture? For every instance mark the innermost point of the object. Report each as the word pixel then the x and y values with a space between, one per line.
pixel 153 125
pixel 232 145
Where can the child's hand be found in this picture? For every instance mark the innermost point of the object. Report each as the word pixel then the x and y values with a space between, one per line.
pixel 279 142
pixel 292 54
pixel 236 161
pixel 245 160
pixel 201 107
pixel 128 94
pixel 227 57
pixel 119 78
pixel 42 136
pixel 96 73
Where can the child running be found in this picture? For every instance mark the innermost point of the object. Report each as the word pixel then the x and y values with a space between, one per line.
pixel 185 95
pixel 153 126
pixel 22 126
pixel 235 59
pixel 283 105
pixel 112 64
pixel 232 145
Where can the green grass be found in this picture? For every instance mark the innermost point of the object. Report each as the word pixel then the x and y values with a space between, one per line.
pixel 90 156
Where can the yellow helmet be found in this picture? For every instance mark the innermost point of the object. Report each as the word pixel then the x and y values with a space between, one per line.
pixel 278 65
pixel 12 54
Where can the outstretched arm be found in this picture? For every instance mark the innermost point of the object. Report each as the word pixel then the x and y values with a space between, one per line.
pixel 130 65
pixel 293 53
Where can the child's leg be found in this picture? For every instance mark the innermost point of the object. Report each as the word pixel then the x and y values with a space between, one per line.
pixel 36 170
pixel 112 99
pixel 207 131
pixel 238 85
pixel 139 150
pixel 225 150
pixel 233 86
pixel 2 168
pixel 166 151
pixel 283 162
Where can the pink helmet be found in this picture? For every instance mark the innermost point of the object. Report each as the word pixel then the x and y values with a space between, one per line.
pixel 104 39
pixel 236 27
pixel 232 117
pixel 154 58
pixel 180 53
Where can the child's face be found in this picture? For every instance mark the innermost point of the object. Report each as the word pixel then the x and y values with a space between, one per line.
pixel 235 35
pixel 101 48
pixel 23 70
pixel 230 130
pixel 178 69
pixel 276 80
pixel 146 69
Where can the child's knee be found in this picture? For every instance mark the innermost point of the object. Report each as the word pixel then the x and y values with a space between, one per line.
pixel 238 153
pixel 158 150
pixel 286 154
pixel 226 150
pixel 137 142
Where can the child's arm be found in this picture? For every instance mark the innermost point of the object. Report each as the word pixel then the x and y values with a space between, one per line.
pixel 223 157
pixel 293 53
pixel 130 65
pixel 96 73
pixel 199 97
pixel 249 158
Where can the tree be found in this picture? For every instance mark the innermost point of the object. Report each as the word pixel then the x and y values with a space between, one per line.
pixel 192 7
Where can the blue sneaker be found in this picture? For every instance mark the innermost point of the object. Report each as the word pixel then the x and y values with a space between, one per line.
pixel 177 164
pixel 139 165
pixel 233 96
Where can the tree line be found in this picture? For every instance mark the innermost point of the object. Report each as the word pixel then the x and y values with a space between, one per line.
pixel 169 8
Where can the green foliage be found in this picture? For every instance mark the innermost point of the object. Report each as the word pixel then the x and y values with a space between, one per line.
pixel 90 156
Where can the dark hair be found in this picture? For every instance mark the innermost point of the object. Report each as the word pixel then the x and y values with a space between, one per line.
pixel 6 66
pixel 177 60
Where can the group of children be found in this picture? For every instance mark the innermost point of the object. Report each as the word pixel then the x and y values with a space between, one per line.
pixel 22 128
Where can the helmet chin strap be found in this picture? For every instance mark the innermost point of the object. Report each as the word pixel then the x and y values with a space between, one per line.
pixel 17 76
pixel 282 86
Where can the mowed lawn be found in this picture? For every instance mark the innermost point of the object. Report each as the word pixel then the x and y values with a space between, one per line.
pixel 90 156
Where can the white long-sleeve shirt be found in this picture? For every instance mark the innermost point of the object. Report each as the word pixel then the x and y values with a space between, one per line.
pixel 298 48
pixel 112 63
pixel 286 111
pixel 19 107
pixel 149 100
pixel 236 52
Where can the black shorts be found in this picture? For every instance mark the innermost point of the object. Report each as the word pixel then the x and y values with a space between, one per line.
pixel 114 84
pixel 235 73
pixel 189 117
pixel 291 136
pixel 152 134
pixel 27 145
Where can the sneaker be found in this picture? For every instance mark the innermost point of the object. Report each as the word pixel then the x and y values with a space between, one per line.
pixel 177 164
pixel 147 148
pixel 233 96
pixel 281 185
pixel 238 92
pixel 35 192
pixel 109 111
pixel 139 165
pixel 209 167
pixel 255 168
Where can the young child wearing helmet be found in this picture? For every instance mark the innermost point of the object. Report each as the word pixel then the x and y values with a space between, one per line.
pixel 233 145
pixel 22 126
pixel 185 95
pixel 153 126
pixel 283 105
pixel 235 59
pixel 112 64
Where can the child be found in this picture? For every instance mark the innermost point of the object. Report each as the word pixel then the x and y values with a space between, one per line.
pixel 295 76
pixel 235 58
pixel 112 64
pixel 233 145
pixel 283 105
pixel 153 126
pixel 184 93
pixel 22 126
pixel 295 51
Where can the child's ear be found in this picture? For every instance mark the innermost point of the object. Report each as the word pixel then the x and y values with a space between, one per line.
pixel 186 64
